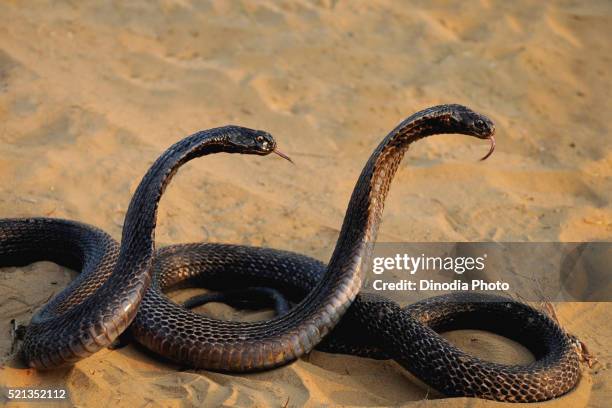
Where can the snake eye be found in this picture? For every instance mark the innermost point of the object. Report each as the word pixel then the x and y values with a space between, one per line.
pixel 479 123
pixel 259 139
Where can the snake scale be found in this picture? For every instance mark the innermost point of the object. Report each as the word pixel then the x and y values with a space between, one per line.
pixel 122 286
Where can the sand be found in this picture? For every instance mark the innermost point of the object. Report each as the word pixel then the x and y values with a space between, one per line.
pixel 91 94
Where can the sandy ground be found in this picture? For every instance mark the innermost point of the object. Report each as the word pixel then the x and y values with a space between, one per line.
pixel 91 94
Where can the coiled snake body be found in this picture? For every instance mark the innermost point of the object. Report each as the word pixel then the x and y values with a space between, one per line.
pixel 112 287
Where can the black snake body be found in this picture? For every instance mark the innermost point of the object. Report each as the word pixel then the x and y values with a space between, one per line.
pixel 376 327
pixel 103 301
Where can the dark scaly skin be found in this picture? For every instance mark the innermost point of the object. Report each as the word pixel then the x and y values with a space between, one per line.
pixel 199 341
pixel 252 297
pixel 410 336
pixel 376 327
pixel 232 346
pixel 92 312
pixel 61 332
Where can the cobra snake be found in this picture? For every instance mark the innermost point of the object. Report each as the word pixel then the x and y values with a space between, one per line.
pixel 122 286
